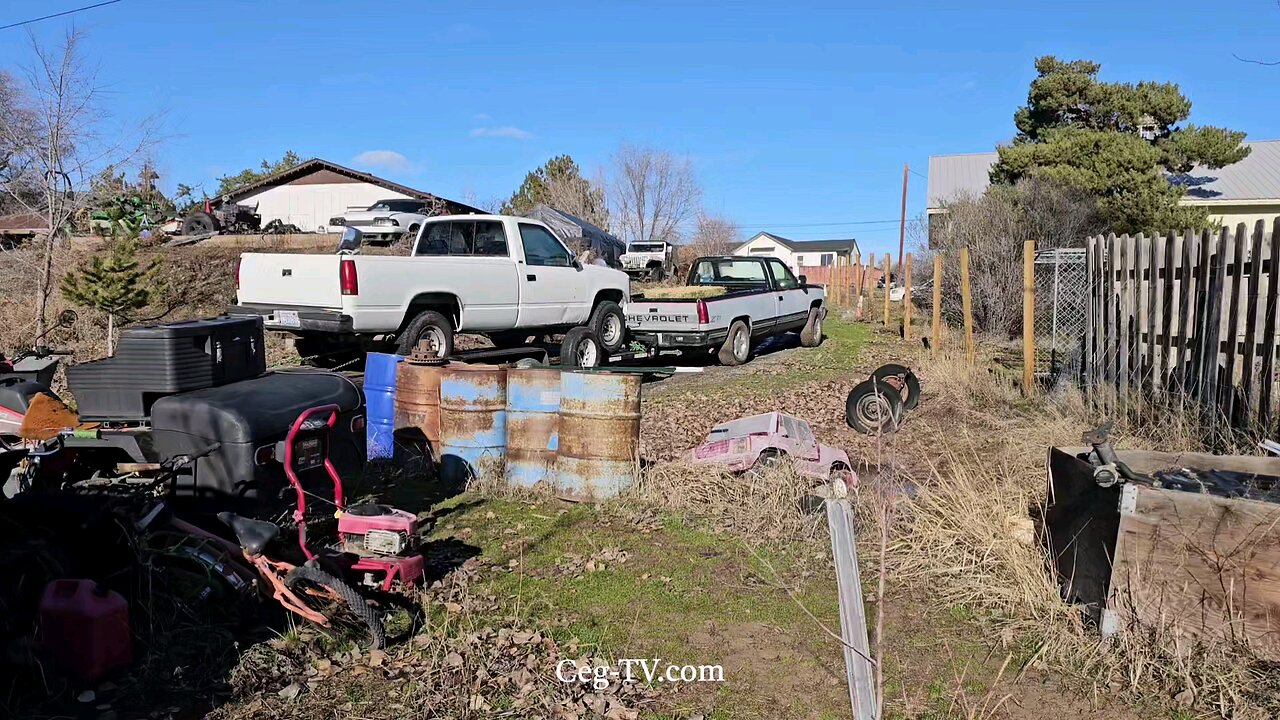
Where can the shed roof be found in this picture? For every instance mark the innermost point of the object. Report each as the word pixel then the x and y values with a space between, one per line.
pixel 317 164
pixel 1257 177
pixel 807 245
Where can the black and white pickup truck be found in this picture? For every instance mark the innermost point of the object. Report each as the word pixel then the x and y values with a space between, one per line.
pixel 745 300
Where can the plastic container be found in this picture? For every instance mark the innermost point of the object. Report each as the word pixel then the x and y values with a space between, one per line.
pixel 84 628
pixel 153 361
pixel 380 403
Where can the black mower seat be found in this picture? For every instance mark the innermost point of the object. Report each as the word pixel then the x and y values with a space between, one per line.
pixel 253 535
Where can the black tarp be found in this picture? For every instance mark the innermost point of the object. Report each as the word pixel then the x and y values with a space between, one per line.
pixel 580 234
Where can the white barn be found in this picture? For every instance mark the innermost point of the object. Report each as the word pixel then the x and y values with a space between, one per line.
pixel 309 194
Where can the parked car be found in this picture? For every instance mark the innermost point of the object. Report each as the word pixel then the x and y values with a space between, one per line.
pixel 650 261
pixel 501 276
pixel 386 221
pixel 759 298
pixel 761 441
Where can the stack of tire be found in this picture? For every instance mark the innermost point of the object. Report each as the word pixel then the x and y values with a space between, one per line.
pixel 876 405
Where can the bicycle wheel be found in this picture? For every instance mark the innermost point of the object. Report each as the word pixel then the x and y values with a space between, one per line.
pixel 347 612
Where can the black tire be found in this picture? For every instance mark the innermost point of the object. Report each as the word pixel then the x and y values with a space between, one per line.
pixel 767 461
pixel 609 326
pixel 811 335
pixel 737 345
pixel 347 600
pixel 576 349
pixel 873 408
pixel 427 324
pixel 910 383
pixel 199 223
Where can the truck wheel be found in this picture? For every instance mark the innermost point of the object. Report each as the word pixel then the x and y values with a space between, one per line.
pixel 427 325
pixel 908 384
pixel 737 345
pixel 609 326
pixel 580 349
pixel 811 335
pixel 199 223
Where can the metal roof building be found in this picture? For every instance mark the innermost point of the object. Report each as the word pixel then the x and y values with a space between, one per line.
pixel 1244 192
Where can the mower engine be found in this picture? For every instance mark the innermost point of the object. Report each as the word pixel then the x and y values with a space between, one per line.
pixel 373 530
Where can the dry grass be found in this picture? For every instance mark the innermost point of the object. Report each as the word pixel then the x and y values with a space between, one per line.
pixel 969 543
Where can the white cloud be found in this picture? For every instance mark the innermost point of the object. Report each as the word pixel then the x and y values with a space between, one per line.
pixel 505 131
pixel 382 160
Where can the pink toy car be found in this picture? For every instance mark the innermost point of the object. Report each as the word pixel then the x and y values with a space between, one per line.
pixel 762 440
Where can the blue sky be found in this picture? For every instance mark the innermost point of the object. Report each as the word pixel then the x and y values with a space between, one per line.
pixel 793 113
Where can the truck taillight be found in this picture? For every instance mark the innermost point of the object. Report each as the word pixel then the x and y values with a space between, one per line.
pixel 704 317
pixel 347 278
pixel 237 273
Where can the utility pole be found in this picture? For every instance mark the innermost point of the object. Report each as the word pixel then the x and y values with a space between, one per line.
pixel 902 225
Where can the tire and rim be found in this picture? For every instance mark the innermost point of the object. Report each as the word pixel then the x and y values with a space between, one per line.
pixel 199 223
pixel 580 349
pixel 910 384
pixel 767 462
pixel 427 325
pixel 873 407
pixel 737 344
pixel 811 335
pixel 609 325
pixel 347 612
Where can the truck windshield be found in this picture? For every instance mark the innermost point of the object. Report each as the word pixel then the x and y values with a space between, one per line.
pixel 645 248
pixel 731 272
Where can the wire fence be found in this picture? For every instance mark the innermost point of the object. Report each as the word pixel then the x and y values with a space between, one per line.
pixel 1061 313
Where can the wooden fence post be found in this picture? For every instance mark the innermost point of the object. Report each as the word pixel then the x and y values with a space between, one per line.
pixel 937 304
pixel 906 297
pixel 966 305
pixel 1028 317
pixel 888 287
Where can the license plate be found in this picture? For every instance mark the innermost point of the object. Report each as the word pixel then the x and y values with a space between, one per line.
pixel 288 318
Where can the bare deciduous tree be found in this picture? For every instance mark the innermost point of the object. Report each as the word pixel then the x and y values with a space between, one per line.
pixel 55 135
pixel 654 192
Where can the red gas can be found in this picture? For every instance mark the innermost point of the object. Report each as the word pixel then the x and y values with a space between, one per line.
pixel 84 627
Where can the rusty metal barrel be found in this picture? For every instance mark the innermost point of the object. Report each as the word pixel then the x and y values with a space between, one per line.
pixel 599 434
pixel 418 399
pixel 533 423
pixel 473 420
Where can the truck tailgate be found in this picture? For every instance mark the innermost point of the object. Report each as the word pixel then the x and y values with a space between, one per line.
pixel 290 280
pixel 662 315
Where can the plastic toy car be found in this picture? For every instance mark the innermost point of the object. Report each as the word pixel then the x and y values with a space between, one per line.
pixel 760 441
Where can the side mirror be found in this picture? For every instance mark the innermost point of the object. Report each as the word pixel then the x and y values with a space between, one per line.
pixel 351 240
pixel 67 318
pixel 804 280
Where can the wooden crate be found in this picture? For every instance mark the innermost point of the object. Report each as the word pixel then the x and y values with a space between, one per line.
pixel 1199 565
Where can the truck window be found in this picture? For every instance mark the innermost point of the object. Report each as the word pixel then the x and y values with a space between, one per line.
pixel 739 273
pixel 782 275
pixel 542 248
pixel 463 237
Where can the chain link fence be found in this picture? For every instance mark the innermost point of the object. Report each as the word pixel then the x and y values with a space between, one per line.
pixel 1062 302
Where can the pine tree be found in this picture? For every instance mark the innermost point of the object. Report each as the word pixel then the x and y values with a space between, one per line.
pixel 115 284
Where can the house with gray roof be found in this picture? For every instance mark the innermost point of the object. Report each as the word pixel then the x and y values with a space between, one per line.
pixel 801 253
pixel 1244 192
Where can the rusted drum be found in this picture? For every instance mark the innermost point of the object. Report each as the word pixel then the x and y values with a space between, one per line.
pixel 533 422
pixel 599 434
pixel 418 399
pixel 473 420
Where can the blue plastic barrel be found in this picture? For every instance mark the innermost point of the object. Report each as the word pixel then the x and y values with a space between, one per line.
pixel 533 423
pixel 380 404
pixel 599 434
pixel 473 421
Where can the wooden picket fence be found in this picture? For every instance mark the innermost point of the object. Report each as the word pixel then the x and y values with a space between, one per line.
pixel 1186 319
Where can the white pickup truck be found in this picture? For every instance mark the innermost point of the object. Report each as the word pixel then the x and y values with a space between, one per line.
pixel 504 277
pixel 758 298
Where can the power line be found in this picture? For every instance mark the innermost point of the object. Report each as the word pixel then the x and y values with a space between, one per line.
pixel 66 12
pixel 821 224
